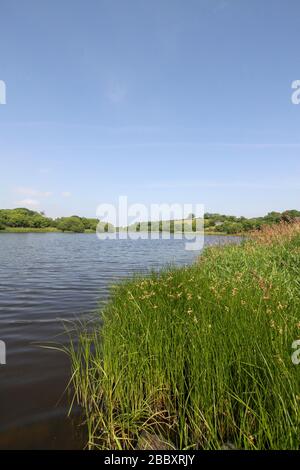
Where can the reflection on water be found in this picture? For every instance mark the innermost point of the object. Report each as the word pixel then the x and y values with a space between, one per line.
pixel 45 278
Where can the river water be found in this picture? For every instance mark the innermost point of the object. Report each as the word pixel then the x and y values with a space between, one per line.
pixel 46 280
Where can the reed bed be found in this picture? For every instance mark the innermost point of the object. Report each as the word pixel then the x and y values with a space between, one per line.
pixel 199 357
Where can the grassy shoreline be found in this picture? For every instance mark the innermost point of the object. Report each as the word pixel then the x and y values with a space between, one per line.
pixel 55 230
pixel 199 357
pixel 39 230
pixel 29 230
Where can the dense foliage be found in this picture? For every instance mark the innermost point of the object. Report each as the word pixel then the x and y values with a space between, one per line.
pixel 25 218
pixel 232 225
pixel 218 223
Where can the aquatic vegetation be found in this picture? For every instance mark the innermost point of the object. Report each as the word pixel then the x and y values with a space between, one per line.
pixel 200 356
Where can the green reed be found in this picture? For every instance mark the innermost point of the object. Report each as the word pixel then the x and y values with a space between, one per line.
pixel 199 356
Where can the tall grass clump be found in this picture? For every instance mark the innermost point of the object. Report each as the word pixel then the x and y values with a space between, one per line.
pixel 199 357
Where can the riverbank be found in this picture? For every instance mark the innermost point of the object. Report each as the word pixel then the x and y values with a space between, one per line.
pixel 39 230
pixel 59 279
pixel 55 230
pixel 22 220
pixel 29 230
pixel 199 356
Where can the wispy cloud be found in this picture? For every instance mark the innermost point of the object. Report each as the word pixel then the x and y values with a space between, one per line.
pixel 66 194
pixel 25 191
pixel 27 203
pixel 44 171
pixel 116 92
pixel 223 185
pixel 191 144
pixel 220 6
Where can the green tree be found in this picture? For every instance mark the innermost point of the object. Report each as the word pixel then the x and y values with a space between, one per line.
pixel 71 224
pixel 194 225
pixel 89 224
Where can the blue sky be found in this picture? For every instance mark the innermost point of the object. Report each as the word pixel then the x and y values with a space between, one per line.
pixel 162 101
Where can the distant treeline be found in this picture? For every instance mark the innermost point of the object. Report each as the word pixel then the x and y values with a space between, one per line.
pixel 25 218
pixel 218 223
pixel 232 225
pixel 21 218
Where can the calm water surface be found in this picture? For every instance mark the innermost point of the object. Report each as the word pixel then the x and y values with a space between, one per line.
pixel 45 279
